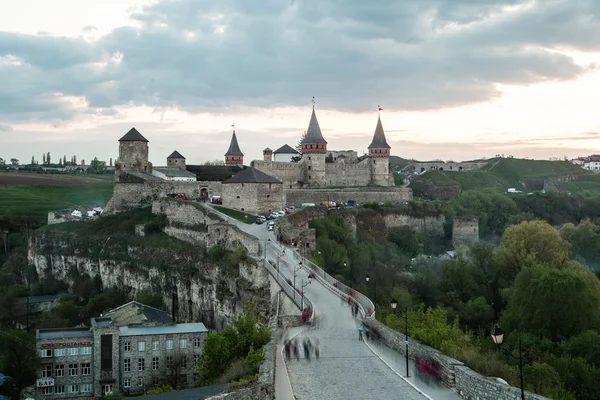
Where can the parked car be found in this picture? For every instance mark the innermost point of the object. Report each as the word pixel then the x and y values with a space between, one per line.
pixel 271 226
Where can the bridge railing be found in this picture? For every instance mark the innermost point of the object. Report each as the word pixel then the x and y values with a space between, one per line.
pixel 298 299
pixel 366 305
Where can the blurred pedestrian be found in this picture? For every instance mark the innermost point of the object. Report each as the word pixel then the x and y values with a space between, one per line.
pixel 317 350
pixel 288 350
pixel 295 349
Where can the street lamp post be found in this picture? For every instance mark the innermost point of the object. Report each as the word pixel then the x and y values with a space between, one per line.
pixel 394 304
pixel 368 278
pixel 406 342
pixel 303 286
pixel 295 271
pixel 498 337
pixel 266 245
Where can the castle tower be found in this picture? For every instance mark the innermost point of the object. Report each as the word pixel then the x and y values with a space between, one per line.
pixel 176 160
pixel 268 154
pixel 133 154
pixel 234 155
pixel 379 157
pixel 314 150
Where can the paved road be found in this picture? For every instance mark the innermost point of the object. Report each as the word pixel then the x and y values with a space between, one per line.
pixel 347 368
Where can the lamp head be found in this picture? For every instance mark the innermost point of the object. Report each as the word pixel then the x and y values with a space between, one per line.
pixel 394 303
pixel 367 278
pixel 498 335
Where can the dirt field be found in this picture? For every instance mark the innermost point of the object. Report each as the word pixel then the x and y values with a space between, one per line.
pixel 10 179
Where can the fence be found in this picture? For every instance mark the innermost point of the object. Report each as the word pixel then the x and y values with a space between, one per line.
pixel 298 299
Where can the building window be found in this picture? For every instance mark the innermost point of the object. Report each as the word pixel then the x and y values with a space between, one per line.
pixel 72 388
pixel 141 346
pixel 196 359
pixel 73 369
pixel 183 344
pixel 126 364
pixel 309 177
pixel 141 364
pixel 155 345
pixel 237 197
pixel 86 369
pixel 85 350
pixel 47 371
pixel 60 352
pixel 127 382
pixel 154 363
pixel 140 381
pixel 197 343
pixel 86 388
pixel 155 380
pixel 169 362
pixel 72 351
pixel 46 353
pixel 169 345
pixel 127 346
pixel 59 389
pixel 309 167
pixel 59 370
pixel 47 390
pixel 308 158
pixel 183 361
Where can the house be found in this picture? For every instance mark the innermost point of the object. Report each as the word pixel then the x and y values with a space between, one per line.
pixel 173 174
pixel 284 154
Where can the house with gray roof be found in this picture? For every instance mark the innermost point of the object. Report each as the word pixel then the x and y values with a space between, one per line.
pixel 285 153
pixel 253 191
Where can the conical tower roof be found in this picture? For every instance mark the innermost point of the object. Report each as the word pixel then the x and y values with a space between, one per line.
pixel 313 133
pixel 133 136
pixel 379 141
pixel 234 148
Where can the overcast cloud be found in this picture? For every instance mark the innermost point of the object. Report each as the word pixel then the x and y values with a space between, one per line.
pixel 206 55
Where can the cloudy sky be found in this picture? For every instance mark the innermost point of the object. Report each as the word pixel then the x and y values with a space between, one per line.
pixel 457 79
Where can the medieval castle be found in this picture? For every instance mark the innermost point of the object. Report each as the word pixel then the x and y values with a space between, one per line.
pixel 269 184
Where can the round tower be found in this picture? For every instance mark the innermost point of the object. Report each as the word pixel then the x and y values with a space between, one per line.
pixel 379 157
pixel 268 154
pixel 234 155
pixel 314 150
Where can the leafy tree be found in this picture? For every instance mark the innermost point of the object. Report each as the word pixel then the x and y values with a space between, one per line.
pixel 494 210
pixel 544 380
pixel 44 159
pixel 530 243
pixel 406 240
pixel 14 161
pixel 544 299
pixel 2 162
pixel 64 160
pixel 299 148
pixel 585 242
pixel 19 359
pixel 159 390
pixel 48 158
pixel 151 298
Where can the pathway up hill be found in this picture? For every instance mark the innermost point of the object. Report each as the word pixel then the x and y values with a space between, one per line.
pixel 499 175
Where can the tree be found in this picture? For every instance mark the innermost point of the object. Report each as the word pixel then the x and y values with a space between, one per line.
pixel 110 162
pixel 43 158
pixel 64 160
pixel 552 302
pixel 150 298
pixel 299 148
pixel 14 161
pixel 2 162
pixel 74 160
pixel 32 160
pixel 215 162
pixel 97 165
pixel 494 210
pixel 528 244
pixel 19 359
pixel 48 159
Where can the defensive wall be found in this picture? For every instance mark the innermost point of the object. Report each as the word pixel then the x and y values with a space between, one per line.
pixel 195 223
pixel 445 166
pixel 253 197
pixel 343 174
pixel 465 230
pixel 360 194
pixel 129 195
pixel 288 173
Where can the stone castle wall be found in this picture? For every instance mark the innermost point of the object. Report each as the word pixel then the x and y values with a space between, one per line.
pixel 341 174
pixel 253 197
pixel 465 230
pixel 196 223
pixel 446 166
pixel 127 196
pixel 361 195
pixel 288 173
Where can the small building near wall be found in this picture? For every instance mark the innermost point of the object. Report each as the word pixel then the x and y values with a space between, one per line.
pixel 285 154
pixel 129 350
pixel 174 174
pixel 253 191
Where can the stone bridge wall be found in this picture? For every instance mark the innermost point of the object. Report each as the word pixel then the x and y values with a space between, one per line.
pixel 361 195
pixel 468 384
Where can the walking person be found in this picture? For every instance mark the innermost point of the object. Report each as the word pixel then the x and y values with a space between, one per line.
pixel 317 351
pixel 288 350
pixel 360 336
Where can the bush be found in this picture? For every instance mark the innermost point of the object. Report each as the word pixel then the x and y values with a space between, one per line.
pixel 159 390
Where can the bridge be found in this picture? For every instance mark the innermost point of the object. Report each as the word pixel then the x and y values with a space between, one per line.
pixel 347 368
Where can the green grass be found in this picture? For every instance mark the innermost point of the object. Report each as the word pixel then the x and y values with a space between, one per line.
pixel 398 162
pixel 239 215
pixel 32 203
pixel 515 168
pixel 586 183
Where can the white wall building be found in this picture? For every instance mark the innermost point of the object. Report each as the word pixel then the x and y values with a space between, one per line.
pixel 173 174
pixel 284 154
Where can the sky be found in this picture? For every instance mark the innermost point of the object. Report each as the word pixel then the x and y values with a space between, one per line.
pixel 457 79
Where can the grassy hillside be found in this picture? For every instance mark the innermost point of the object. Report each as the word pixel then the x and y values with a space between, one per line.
pixel 589 183
pixel 33 202
pixel 398 162
pixel 501 174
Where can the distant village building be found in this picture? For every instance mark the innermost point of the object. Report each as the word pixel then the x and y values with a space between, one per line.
pixel 129 350
pixel 590 163
pixel 174 174
pixel 285 153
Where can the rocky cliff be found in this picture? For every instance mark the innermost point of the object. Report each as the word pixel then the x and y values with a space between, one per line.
pixel 205 291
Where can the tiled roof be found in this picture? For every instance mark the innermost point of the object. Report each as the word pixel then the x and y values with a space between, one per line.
pixel 252 175
pixel 379 141
pixel 60 333
pixel 37 299
pixel 214 172
pixel 267 150
pixel 313 133
pixel 176 154
pixel 133 136
pixel 137 313
pixel 196 327
pixel 234 147
pixel 285 149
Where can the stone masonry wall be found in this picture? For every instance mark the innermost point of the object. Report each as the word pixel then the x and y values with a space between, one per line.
pixel 253 197
pixel 447 166
pixel 288 173
pixel 465 230
pixel 361 195
pixel 469 384
pixel 341 174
